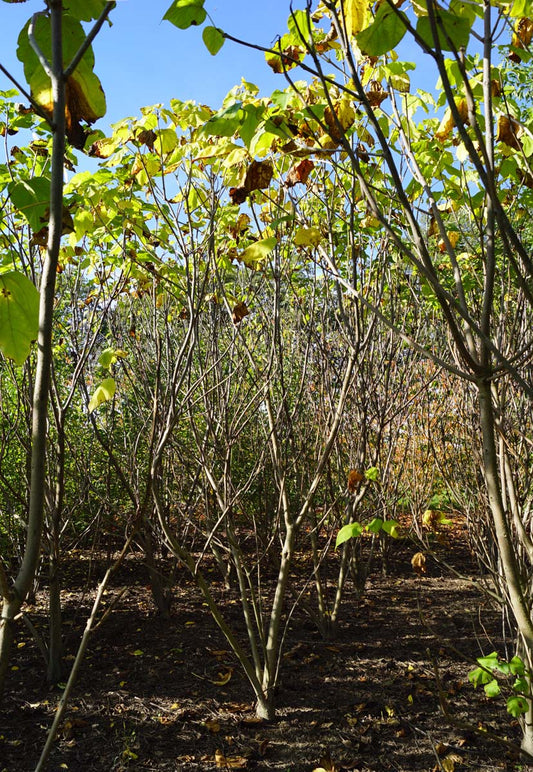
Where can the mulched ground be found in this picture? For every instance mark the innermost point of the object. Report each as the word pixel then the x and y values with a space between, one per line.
pixel 168 695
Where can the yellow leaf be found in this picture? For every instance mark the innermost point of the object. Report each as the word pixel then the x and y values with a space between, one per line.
pixel 448 764
pixel 230 762
pixel 447 124
pixel 356 15
pixel 138 653
pixel 223 678
pixel 256 253
pixel 307 237
pixel 104 392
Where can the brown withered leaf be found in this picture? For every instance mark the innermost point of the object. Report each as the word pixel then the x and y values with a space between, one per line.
pixel 241 225
pixel 77 109
pixel 258 175
pixel 299 172
pixel 239 312
pixel 375 93
pixel 230 762
pixel 333 128
pixel 509 132
pixel 339 119
pixel 354 478
pixel 326 765
pixel 418 562
pixel 448 122
pixel 523 32
pixel 288 58
pixel 147 137
pixel 526 178
pixel 238 195
pixel 362 153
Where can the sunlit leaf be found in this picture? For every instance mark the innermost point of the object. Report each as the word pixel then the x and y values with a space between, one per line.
pixel 308 237
pixel 517 705
pixel 257 252
pixel 213 39
pixel 453 31
pixel 349 531
pixel 19 315
pixel 392 528
pixel 492 689
pixel 85 100
pixel 186 13
pixel 356 15
pixel 374 526
pixel 109 356
pixel 222 679
pixel 103 393
pixel 230 762
pixel 385 32
pixel 32 199
pixel 418 563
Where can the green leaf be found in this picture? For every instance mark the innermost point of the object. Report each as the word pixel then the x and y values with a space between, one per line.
pixel 517 666
pixel 307 237
pixel 453 31
pixel 257 252
pixel 186 13
pixel 392 528
pixel 32 199
pixel 522 8
pixel 350 531
pixel 224 123
pixel 83 10
pixel 372 474
pixel 19 315
pixel 109 356
pixel 85 97
pixel 213 39
pixel 490 662
pixel 517 705
pixel 521 685
pixel 479 676
pixel 374 526
pixel 385 32
pixel 103 393
pixel 492 689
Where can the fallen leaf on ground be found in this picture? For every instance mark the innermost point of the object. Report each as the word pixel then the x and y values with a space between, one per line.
pixel 230 762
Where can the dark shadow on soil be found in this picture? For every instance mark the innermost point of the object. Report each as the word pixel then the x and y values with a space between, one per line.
pixel 151 695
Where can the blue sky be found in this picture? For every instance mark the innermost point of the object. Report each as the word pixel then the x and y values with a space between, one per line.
pixel 142 60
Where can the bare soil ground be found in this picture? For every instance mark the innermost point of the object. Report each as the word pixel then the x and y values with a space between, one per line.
pixel 168 696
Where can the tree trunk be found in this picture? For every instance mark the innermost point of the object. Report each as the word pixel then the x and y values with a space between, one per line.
pixel 14 599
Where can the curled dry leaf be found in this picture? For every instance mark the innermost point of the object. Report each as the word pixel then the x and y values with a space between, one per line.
pixel 448 122
pixel 509 132
pixel 523 32
pixel 238 195
pixel 418 562
pixel 258 177
pixel 299 172
pixel 147 137
pixel 375 93
pixel 239 312
pixel 223 678
pixel 230 762
pixel 288 58
pixel 354 478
